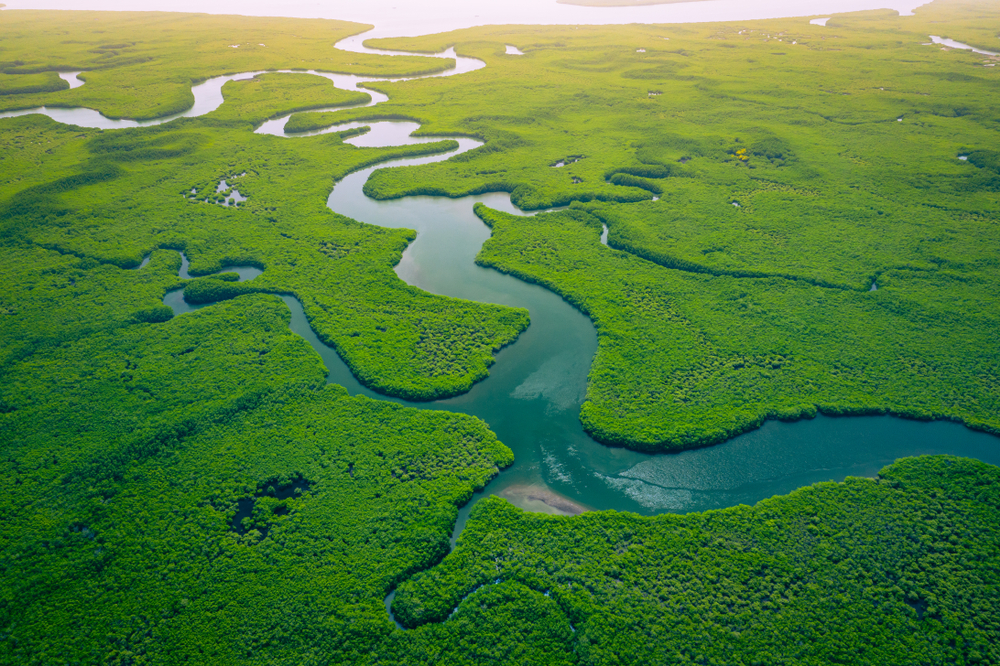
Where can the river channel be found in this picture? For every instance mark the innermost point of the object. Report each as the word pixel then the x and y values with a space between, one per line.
pixel 533 395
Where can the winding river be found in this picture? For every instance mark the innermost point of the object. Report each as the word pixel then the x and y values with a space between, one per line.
pixel 533 395
pixel 952 44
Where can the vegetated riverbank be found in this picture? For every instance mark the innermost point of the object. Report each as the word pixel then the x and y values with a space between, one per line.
pixel 872 569
pixel 532 399
pixel 388 342
pixel 600 482
pixel 712 317
pixel 138 438
pixel 106 398
pixel 142 75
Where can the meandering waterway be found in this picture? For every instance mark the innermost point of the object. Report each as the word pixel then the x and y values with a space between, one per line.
pixel 534 392
pixel 952 44
pixel 533 395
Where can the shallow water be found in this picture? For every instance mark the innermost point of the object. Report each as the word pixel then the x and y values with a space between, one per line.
pixel 462 65
pixel 207 98
pixel 208 95
pixel 72 79
pixel 533 395
pixel 175 297
pixel 234 198
pixel 951 43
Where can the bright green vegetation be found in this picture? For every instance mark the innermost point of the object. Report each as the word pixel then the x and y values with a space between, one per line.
pixel 142 64
pixel 269 95
pixel 131 441
pixel 722 315
pixel 31 83
pixel 688 358
pixel 308 122
pixel 898 570
pixel 188 489
pixel 113 197
pixel 128 452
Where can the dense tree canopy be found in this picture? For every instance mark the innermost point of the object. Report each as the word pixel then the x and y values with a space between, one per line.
pixel 188 489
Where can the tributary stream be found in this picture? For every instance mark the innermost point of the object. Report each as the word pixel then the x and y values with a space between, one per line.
pixel 533 395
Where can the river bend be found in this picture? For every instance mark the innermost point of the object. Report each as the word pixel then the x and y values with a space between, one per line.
pixel 533 395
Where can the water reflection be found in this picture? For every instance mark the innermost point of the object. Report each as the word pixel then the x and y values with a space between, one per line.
pixel 533 395
pixel 951 43
pixel 72 78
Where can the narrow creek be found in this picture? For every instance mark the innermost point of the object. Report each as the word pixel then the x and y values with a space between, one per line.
pixel 533 395
pixel 952 44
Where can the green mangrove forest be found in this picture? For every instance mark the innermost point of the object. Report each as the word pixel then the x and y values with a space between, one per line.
pixel 795 166
pixel 763 220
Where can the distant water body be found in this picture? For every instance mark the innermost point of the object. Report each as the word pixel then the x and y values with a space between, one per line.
pixel 532 398
pixel 394 18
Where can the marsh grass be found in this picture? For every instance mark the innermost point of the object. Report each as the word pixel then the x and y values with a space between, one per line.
pixel 130 439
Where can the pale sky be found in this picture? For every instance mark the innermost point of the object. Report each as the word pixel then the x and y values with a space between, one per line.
pixel 409 17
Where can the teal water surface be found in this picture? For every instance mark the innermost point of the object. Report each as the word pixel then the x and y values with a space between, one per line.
pixel 533 395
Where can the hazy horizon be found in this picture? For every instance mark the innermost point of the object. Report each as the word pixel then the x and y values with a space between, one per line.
pixel 401 18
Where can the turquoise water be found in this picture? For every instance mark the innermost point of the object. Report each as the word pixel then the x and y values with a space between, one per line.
pixel 533 395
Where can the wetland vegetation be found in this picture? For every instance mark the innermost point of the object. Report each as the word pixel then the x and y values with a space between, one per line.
pixel 191 489
pixel 727 315
pixel 867 571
